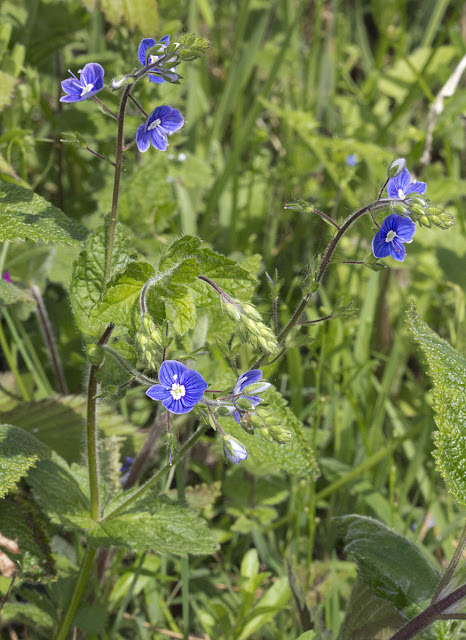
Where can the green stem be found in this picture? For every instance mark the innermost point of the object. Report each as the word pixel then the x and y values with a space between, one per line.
pixel 67 619
pixel 161 472
pixel 184 561
pixel 12 364
pixel 92 443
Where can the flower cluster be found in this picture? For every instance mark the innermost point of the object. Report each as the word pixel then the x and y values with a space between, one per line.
pixel 163 120
pixel 397 230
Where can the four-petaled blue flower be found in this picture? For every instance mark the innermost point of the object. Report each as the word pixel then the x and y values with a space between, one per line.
pixel 234 450
pixel 395 231
pixel 351 160
pixel 401 186
pixel 91 81
pixel 146 59
pixel 162 121
pixel 245 380
pixel 180 388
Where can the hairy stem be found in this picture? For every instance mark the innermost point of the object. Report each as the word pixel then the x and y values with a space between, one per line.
pixel 451 567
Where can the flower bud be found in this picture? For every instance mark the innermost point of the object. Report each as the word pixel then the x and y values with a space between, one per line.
pixel 95 353
pixel 234 450
pixel 396 167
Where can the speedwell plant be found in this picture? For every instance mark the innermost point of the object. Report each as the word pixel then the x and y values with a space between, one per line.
pixel 138 321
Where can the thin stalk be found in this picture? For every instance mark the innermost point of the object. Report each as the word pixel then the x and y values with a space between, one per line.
pixel 12 364
pixel 161 472
pixel 92 444
pixel 49 338
pixel 184 561
pixel 451 567
pixel 431 614
pixel 110 113
pixel 67 619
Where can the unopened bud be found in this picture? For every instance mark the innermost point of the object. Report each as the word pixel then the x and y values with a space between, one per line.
pixel 396 167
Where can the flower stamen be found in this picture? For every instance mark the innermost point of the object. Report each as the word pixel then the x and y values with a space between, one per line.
pixel 178 391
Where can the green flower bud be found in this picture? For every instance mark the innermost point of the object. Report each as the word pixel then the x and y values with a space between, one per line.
pixel 95 353
pixel 396 167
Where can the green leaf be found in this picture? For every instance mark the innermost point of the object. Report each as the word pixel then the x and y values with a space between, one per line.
pixel 19 451
pixel 384 560
pixel 27 613
pixel 277 597
pixel 7 89
pixel 295 457
pixel 11 294
pixel 62 492
pixel 142 14
pixel 448 370
pixel 24 214
pixel 21 522
pixel 369 617
pixel 153 524
pixel 112 372
pixel 87 282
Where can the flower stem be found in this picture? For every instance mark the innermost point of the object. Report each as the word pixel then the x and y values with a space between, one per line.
pixel 451 567
pixel 110 113
pixel 92 443
pixel 84 570
pixel 161 472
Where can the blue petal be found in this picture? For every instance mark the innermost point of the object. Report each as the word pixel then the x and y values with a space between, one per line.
pixel 194 384
pixel 401 181
pixel 397 250
pixel 165 40
pixel 171 118
pixel 153 78
pixel 416 187
pixel 380 248
pixel 73 98
pixel 158 392
pixel 405 229
pixel 177 406
pixel 93 73
pixel 171 371
pixel 159 138
pixel 72 86
pixel 145 44
pixel 250 377
pixel 143 138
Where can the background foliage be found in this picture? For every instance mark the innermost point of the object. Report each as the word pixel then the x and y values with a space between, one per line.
pixel 287 91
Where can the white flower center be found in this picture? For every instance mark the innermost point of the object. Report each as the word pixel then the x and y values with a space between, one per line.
pixel 391 235
pixel 177 391
pixel 154 125
pixel 87 88
pixel 401 194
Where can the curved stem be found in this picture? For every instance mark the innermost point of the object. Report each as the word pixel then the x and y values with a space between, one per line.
pixel 452 566
pixel 80 583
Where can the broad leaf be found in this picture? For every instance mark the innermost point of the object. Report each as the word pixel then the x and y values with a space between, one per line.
pixel 21 522
pixel 24 214
pixel 87 283
pixel 7 89
pixel 19 451
pixel 62 492
pixel 11 294
pixel 448 370
pixel 295 457
pixel 154 524
pixel 120 301
pixel 391 565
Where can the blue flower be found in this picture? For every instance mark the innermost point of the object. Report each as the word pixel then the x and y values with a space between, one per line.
pixel 401 185
pixel 180 388
pixel 245 380
pixel 91 81
pixel 162 121
pixel 146 58
pixel 395 231
pixel 351 160
pixel 234 450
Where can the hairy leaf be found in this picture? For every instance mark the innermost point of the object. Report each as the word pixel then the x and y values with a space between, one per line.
pixel 448 370
pixel 154 524
pixel 11 294
pixel 19 451
pixel 62 492
pixel 24 214
pixel 21 522
pixel 295 457
pixel 391 565
pixel 87 282
pixel 7 89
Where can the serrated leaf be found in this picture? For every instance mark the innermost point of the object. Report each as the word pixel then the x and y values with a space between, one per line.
pixel 27 613
pixel 61 492
pixel 24 214
pixel 386 572
pixel 369 617
pixel 87 282
pixel 19 451
pixel 21 522
pixel 295 457
pixel 120 301
pixel 447 368
pixel 181 310
pixel 154 524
